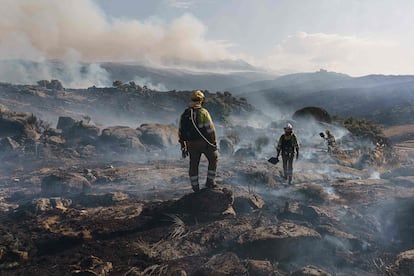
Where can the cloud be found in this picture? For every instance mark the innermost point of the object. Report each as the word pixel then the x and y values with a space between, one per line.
pixel 348 54
pixel 78 29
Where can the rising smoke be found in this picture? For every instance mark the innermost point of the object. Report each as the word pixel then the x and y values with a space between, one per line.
pixel 78 31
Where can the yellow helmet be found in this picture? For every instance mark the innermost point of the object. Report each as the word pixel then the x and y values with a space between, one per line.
pixel 327 131
pixel 197 96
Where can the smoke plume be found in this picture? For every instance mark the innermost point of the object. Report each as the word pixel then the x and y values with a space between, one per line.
pixel 79 31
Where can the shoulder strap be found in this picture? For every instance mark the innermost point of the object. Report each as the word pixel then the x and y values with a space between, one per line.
pixel 198 130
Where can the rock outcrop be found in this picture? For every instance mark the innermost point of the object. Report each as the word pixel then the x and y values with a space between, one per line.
pixel 62 184
pixel 157 135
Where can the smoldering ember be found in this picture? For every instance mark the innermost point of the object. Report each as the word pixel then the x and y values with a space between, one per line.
pixel 92 183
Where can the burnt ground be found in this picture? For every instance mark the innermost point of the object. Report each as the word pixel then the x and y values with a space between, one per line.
pixel 83 201
pixel 143 219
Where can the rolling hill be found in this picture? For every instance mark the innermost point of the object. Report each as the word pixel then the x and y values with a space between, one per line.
pixel 387 100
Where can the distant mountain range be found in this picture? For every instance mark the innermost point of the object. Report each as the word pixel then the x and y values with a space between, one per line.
pixel 210 76
pixel 380 98
pixel 386 99
pixel 176 75
pixel 321 80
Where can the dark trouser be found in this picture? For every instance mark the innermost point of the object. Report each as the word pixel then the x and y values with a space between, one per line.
pixel 195 149
pixel 287 159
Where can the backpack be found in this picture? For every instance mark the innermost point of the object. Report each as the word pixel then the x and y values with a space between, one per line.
pixel 187 130
pixel 287 144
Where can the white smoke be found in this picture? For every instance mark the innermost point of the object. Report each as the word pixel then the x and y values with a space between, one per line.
pixel 47 29
pixel 78 31
pixel 150 84
pixel 71 74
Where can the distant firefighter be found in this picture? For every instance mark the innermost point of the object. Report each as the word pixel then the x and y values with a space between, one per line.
pixel 288 145
pixel 330 140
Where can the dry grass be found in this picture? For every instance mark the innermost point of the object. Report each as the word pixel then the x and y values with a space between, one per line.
pixel 382 268
pixel 147 249
pixel 178 229
pixel 158 270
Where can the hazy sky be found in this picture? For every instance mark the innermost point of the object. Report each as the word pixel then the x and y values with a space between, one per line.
pixel 355 37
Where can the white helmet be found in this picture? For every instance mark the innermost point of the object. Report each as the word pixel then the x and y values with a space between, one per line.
pixel 288 127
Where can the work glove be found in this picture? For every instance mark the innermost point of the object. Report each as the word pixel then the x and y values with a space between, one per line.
pixel 184 153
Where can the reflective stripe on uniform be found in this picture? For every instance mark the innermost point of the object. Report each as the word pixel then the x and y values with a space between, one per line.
pixel 206 125
pixel 194 180
pixel 211 174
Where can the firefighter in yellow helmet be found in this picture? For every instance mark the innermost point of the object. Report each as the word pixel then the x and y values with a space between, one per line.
pixel 288 145
pixel 197 136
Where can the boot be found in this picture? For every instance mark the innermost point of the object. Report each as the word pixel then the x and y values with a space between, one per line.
pixel 210 184
pixel 290 180
pixel 196 188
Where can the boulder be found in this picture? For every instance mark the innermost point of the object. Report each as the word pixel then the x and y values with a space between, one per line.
pixel 226 146
pixel 314 192
pixel 206 202
pixel 121 138
pixel 55 140
pixel 81 133
pixel 298 211
pixel 160 136
pixel 65 123
pixel 316 113
pixel 8 143
pixel 9 127
pixel 310 271
pixel 46 204
pixel 245 153
pixel 339 240
pixel 259 267
pixel 58 184
pixel 405 263
pixel 20 125
pixel 247 203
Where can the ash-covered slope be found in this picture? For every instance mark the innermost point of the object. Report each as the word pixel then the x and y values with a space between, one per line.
pixel 115 199
pixel 79 210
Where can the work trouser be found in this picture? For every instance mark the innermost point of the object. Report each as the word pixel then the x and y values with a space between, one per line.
pixel 331 147
pixel 195 149
pixel 287 159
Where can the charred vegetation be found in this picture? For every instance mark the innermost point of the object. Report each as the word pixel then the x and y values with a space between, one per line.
pixel 105 192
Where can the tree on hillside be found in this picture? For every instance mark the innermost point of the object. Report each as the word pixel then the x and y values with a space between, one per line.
pixel 117 83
